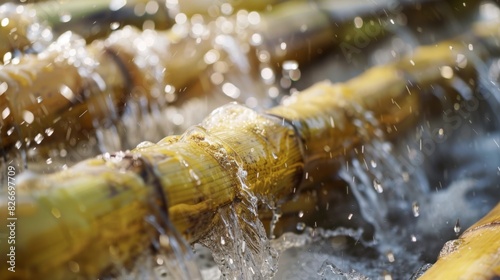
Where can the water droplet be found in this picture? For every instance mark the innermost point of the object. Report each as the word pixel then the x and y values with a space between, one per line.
pixel 289 65
pixel 7 57
pixel 413 238
pixel 114 25
pixel 195 177
pixel 461 60
pixel 3 87
pixel 231 90
pixel 152 7
pixel 415 209
pixel 358 22
pixel 256 39
pixel 10 131
pixel 457 227
pixel 283 46
pixel 373 164
pixel 49 161
pixel 441 133
pixel 164 241
pixel 198 29
pixel 28 117
pixel 5 113
pixel 267 74
pixel 49 131
pixel 38 138
pixel 4 22
pixel 390 256
pixel 294 75
pixel 211 56
pixel 222 241
pixel 446 72
pixel 221 67
pixel 180 18
pixel 377 186
pixel 251 270
pixel 226 8
pixel 177 119
pixel 301 214
pixel 406 176
pixel 254 18
pixel 65 17
pixel 301 226
pixel 350 216
pixel 273 92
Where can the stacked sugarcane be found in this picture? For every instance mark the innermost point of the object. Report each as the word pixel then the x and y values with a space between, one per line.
pixel 77 215
pixel 72 98
pixel 54 97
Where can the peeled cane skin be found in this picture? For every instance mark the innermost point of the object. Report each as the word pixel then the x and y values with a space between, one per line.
pixel 475 255
pixel 92 214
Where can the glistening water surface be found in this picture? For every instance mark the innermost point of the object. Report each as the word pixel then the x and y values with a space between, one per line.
pixel 387 207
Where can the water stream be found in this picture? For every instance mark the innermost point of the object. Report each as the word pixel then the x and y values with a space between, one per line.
pixel 401 199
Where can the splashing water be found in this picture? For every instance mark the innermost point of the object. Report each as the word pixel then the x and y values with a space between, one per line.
pixel 397 194
pixel 239 243
pixel 411 193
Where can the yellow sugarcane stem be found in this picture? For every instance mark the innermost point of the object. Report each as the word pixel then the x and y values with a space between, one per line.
pixel 475 255
pixel 78 214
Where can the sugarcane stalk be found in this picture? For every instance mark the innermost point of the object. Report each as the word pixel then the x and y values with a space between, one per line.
pixel 80 14
pixel 475 255
pixel 72 84
pixel 24 26
pixel 116 65
pixel 76 215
